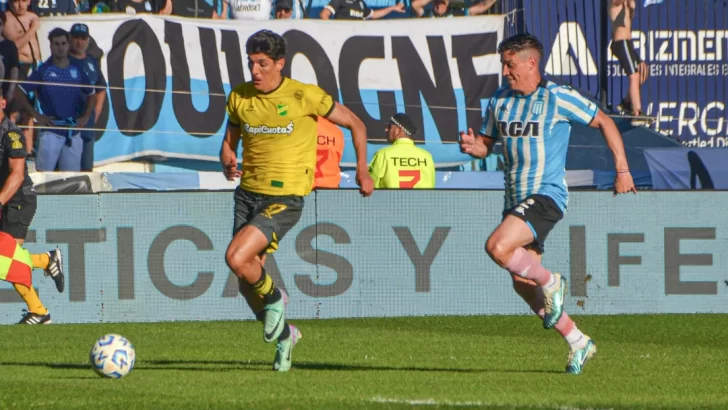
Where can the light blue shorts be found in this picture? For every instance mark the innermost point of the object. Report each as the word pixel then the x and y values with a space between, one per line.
pixel 53 151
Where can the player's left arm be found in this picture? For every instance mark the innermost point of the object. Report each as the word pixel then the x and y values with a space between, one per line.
pixel 340 115
pixel 575 108
pixel 14 144
pixel 623 182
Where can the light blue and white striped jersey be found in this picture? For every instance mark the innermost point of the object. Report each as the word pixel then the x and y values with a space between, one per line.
pixel 534 130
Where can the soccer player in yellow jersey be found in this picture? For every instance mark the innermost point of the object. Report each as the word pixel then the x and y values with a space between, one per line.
pixel 276 117
pixel 402 165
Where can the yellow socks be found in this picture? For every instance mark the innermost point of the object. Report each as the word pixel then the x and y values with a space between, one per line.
pixel 40 260
pixel 266 288
pixel 31 299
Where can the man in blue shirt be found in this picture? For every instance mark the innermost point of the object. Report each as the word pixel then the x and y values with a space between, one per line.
pixel 532 118
pixel 78 56
pixel 59 145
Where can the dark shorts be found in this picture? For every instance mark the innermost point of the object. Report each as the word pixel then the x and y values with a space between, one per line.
pixel 541 213
pixel 273 215
pixel 18 213
pixel 627 56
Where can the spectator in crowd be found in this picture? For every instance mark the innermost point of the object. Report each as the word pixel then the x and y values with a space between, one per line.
pixel 621 14
pixel 59 145
pixel 199 8
pixel 356 10
pixel 93 6
pixel 9 58
pixel 142 6
pixel 330 149
pixel 402 165
pixel 250 9
pixel 289 9
pixel 78 57
pixel 221 11
pixel 441 8
pixel 45 8
pixel 21 27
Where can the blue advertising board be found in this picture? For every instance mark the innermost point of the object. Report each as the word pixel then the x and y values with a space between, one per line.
pixel 161 257
pixel 683 42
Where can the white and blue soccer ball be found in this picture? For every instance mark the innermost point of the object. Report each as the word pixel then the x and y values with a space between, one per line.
pixel 112 356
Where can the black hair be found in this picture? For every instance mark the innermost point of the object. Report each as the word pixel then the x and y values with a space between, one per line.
pixel 58 32
pixel 268 43
pixel 521 42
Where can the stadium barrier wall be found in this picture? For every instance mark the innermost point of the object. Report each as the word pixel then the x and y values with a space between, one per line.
pixel 160 257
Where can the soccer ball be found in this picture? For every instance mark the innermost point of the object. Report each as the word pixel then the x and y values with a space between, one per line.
pixel 112 356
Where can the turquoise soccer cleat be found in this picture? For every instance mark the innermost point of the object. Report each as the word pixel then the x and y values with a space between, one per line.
pixel 578 358
pixel 273 320
pixel 284 348
pixel 554 302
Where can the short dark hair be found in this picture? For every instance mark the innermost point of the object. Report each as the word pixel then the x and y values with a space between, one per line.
pixel 521 42
pixel 268 43
pixel 58 32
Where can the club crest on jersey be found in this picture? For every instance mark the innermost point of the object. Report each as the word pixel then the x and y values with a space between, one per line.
pixel 519 128
pixel 537 108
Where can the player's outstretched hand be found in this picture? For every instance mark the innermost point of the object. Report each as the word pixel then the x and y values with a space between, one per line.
pixel 623 184
pixel 365 182
pixel 467 141
pixel 230 168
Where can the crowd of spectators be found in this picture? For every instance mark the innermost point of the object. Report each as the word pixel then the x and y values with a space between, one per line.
pixel 74 57
pixel 256 9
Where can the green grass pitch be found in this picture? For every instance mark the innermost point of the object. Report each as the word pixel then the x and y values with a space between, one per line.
pixel 498 362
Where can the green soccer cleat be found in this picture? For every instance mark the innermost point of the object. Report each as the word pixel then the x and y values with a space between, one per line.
pixel 578 358
pixel 554 302
pixel 273 320
pixel 284 349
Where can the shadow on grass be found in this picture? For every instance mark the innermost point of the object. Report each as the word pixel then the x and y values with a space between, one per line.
pixel 257 365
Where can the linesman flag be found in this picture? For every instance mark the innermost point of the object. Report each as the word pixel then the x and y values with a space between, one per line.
pixel 15 263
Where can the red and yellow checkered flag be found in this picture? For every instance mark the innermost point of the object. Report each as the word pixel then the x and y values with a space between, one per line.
pixel 15 263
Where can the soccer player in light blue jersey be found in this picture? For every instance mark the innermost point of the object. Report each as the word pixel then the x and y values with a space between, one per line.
pixel 532 119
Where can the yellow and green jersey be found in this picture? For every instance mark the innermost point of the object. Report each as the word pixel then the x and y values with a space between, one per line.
pixel 278 129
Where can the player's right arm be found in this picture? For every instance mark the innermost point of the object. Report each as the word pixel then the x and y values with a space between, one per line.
pixel 229 147
pixel 13 143
pixel 481 146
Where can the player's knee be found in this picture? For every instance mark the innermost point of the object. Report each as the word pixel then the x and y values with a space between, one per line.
pixel 498 250
pixel 237 260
